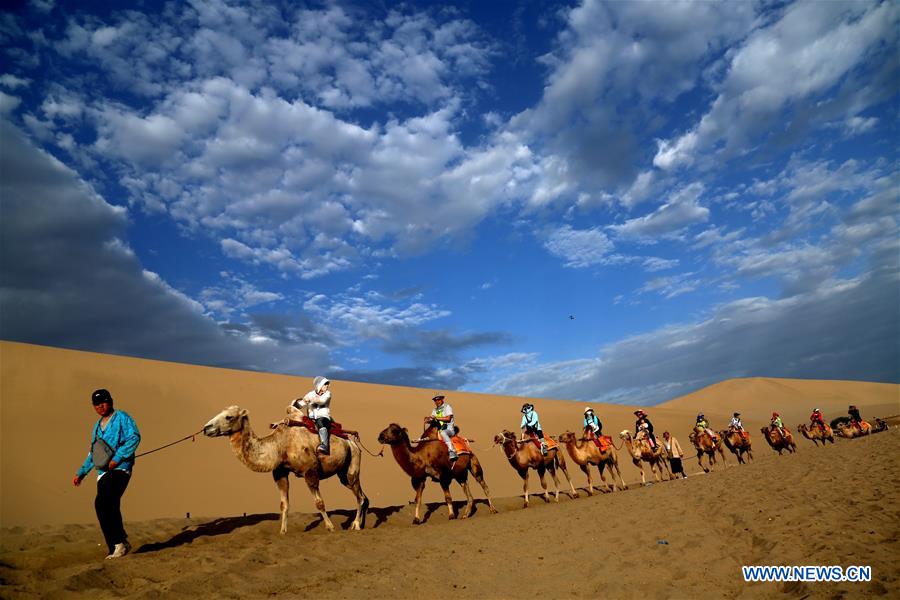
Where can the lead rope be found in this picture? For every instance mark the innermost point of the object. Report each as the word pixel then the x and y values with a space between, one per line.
pixel 184 439
pixel 361 445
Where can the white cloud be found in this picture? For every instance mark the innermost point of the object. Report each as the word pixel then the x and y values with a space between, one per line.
pixel 810 49
pixel 579 248
pixel 682 210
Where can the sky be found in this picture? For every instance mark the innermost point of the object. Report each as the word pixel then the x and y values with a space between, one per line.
pixel 596 201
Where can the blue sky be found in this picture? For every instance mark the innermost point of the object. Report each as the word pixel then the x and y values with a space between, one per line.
pixel 616 202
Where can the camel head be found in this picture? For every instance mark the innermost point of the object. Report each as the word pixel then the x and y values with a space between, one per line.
pixel 567 437
pixel 226 422
pixel 504 436
pixel 625 435
pixel 393 434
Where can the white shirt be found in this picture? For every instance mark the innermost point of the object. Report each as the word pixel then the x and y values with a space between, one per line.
pixel 444 411
pixel 319 406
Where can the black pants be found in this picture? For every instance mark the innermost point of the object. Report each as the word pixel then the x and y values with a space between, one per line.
pixel 110 488
pixel 536 432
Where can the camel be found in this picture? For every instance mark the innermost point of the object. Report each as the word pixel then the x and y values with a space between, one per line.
pixel 737 443
pixel 293 450
pixel 852 431
pixel 880 425
pixel 816 434
pixel 585 453
pixel 429 459
pixel 779 443
pixel 705 446
pixel 639 448
pixel 523 456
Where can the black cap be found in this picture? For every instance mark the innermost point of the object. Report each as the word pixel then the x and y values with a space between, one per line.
pixel 438 397
pixel 100 396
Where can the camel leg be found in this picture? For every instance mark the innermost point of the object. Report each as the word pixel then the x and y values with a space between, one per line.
pixel 606 488
pixel 525 486
pixel 619 474
pixel 542 477
pixel 445 485
pixel 555 480
pixel 419 486
pixel 587 472
pixel 478 473
pixel 312 481
pixel 350 479
pixel 640 465
pixel 281 480
pixel 470 500
pixel 565 470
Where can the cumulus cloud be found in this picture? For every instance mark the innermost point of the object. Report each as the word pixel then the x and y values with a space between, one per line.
pixel 805 53
pixel 579 248
pixel 682 210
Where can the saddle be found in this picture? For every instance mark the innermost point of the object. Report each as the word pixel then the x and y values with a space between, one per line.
pixel 334 429
pixel 603 442
pixel 461 444
pixel 551 443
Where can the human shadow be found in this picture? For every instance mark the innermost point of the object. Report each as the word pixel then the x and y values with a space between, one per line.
pixel 219 526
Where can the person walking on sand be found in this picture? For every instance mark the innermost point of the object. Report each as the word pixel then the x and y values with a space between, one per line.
pixel 318 400
pixel 531 425
pixel 446 424
pixel 675 453
pixel 114 440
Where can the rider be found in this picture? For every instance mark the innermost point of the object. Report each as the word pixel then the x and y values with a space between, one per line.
pixel 644 423
pixel 736 423
pixel 531 425
pixel 592 424
pixel 855 419
pixel 443 414
pixel 703 425
pixel 319 402
pixel 817 418
pixel 777 424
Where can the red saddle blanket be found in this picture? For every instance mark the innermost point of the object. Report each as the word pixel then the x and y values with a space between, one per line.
pixel 603 442
pixel 335 429
pixel 551 443
pixel 461 444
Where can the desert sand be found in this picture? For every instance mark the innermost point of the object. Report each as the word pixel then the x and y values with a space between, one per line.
pixel 835 505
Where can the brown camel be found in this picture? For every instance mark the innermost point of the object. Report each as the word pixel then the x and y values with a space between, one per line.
pixel 526 455
pixel 293 450
pixel 706 446
pixel 851 431
pixel 737 443
pixel 585 453
pixel 639 448
pixel 429 459
pixel 816 434
pixel 779 443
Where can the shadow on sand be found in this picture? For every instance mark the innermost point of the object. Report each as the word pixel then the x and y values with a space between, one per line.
pixel 216 527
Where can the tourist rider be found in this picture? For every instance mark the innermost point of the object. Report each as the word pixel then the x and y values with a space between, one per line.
pixel 817 418
pixel 644 423
pixel 776 423
pixel 531 425
pixel 855 419
pixel 736 423
pixel 703 425
pixel 443 416
pixel 318 400
pixel 114 440
pixel 592 424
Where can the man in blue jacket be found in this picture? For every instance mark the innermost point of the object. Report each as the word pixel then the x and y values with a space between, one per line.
pixel 114 439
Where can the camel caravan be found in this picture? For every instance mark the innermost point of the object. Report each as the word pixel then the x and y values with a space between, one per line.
pixel 312 446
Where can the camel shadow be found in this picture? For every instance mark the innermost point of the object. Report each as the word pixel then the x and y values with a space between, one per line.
pixel 381 516
pixel 219 526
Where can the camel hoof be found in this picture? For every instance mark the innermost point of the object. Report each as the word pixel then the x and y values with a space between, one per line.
pixel 356 527
pixel 464 516
pixel 451 517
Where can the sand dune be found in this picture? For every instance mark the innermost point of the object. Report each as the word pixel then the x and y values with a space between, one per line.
pixel 46 419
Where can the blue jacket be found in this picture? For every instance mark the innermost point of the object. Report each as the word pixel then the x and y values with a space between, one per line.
pixel 123 437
